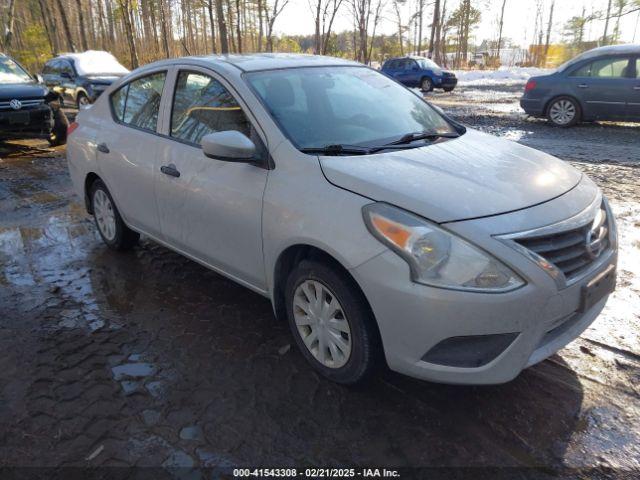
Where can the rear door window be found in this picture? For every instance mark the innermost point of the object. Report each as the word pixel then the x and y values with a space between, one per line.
pixel 138 102
pixel 612 67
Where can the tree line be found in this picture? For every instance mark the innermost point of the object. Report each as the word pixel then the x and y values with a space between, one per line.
pixel 140 31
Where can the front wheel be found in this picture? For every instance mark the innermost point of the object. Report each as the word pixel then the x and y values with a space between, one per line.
pixel 426 85
pixel 82 101
pixel 58 135
pixel 448 89
pixel 331 323
pixel 112 229
pixel 563 112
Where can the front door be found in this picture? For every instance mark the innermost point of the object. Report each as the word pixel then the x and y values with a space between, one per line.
pixel 126 149
pixel 67 82
pixel 212 211
pixel 603 85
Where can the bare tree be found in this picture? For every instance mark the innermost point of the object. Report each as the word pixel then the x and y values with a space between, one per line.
pixel 324 12
pixel 606 24
pixel 396 7
pixel 548 37
pixel 271 15
pixel 434 27
pixel 500 25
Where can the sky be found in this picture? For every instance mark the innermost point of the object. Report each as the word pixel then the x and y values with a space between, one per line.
pixel 297 19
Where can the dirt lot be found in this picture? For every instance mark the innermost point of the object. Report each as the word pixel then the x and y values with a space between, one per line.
pixel 148 359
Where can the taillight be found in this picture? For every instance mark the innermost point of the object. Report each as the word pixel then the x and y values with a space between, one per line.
pixel 531 84
pixel 72 126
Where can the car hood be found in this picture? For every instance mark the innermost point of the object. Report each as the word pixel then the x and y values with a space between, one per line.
pixel 9 91
pixel 475 175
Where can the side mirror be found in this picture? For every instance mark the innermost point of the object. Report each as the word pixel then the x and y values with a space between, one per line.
pixel 39 78
pixel 229 146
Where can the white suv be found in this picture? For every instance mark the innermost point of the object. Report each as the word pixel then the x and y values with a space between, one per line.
pixel 380 228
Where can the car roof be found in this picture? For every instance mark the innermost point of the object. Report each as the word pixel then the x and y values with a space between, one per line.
pixel 633 49
pixel 259 61
pixel 609 50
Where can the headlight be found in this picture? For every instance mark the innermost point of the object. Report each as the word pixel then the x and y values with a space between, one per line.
pixel 435 256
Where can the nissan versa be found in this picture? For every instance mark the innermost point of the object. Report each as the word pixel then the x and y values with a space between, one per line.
pixel 380 228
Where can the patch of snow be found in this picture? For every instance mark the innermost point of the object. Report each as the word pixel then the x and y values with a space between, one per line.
pixel 502 76
pixel 97 62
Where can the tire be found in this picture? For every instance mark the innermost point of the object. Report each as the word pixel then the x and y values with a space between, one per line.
pixel 82 101
pixel 59 133
pixel 114 233
pixel 448 89
pixel 426 85
pixel 564 112
pixel 346 366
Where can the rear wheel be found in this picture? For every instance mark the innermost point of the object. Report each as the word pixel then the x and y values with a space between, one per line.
pixel 58 135
pixel 331 323
pixel 112 229
pixel 563 112
pixel 426 85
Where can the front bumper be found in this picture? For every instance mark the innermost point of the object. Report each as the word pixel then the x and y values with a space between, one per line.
pixel 537 319
pixel 26 123
pixel 446 82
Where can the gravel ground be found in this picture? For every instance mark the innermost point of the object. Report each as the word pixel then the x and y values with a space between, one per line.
pixel 148 359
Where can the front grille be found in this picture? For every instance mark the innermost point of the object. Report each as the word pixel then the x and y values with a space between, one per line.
pixel 6 105
pixel 572 251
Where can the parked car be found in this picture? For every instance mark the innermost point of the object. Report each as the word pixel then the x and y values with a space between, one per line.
pixel 27 108
pixel 420 72
pixel 377 226
pixel 601 84
pixel 80 78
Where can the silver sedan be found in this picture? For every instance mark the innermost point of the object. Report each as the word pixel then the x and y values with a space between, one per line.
pixel 383 231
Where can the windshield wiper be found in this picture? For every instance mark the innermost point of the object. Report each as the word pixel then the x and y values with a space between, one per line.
pixel 412 137
pixel 337 149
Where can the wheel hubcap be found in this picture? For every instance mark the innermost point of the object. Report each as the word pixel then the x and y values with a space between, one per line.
pixel 105 216
pixel 562 112
pixel 322 324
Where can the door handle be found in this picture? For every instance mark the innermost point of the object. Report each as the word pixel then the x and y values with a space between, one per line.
pixel 583 85
pixel 170 170
pixel 102 147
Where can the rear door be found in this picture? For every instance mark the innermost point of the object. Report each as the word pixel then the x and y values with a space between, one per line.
pixel 67 81
pixel 127 148
pixel 604 86
pixel 51 75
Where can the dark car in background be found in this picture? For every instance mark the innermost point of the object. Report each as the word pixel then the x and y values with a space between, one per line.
pixel 420 72
pixel 80 78
pixel 28 109
pixel 601 84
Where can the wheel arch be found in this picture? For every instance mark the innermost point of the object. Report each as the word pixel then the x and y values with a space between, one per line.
pixel 89 180
pixel 294 254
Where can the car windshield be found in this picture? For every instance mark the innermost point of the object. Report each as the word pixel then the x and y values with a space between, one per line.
pixel 427 64
pixel 321 106
pixel 11 72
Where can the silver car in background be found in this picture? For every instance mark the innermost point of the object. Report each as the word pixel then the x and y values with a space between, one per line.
pixel 382 230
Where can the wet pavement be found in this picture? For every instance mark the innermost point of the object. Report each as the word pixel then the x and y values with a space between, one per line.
pixel 148 359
